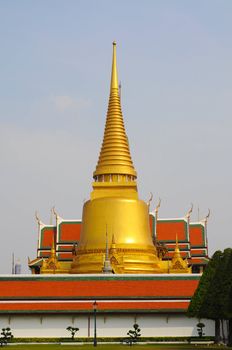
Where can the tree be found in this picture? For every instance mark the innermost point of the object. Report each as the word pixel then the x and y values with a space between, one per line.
pixel 198 306
pixel 212 298
pixel 200 327
pixel 224 283
pixel 6 336
pixel 226 294
pixel 134 334
pixel 73 331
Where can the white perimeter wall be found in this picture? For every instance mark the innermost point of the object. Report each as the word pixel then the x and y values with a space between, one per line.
pixel 113 325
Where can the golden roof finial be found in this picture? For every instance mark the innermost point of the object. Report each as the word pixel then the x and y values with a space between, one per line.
pixel 51 265
pixel 54 211
pixel 187 216
pixel 114 75
pixel 178 264
pixel 205 220
pixel 53 250
pixel 157 207
pixel 177 249
pixel 51 215
pixel 107 268
pixel 37 217
pixel 113 245
pixel 115 158
pixel 149 200
pixel 40 223
pixel 177 242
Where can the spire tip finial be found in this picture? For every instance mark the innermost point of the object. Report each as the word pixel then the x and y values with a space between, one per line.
pixel 115 159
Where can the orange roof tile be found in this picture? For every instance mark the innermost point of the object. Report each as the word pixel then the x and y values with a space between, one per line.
pixel 88 306
pixel 168 229
pixel 61 287
pixel 197 235
pixel 198 252
pixel 47 235
pixel 69 231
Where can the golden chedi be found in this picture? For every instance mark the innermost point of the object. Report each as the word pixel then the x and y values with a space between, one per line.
pixel 115 222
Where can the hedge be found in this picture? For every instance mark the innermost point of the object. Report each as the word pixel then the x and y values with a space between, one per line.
pixel 108 339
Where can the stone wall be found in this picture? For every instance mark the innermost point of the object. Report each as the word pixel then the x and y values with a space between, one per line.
pixel 108 325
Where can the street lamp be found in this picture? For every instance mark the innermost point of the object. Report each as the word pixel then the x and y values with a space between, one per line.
pixel 95 323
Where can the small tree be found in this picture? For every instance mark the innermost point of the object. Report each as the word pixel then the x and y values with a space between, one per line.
pixel 6 336
pixel 134 334
pixel 200 327
pixel 213 297
pixel 73 331
pixel 202 304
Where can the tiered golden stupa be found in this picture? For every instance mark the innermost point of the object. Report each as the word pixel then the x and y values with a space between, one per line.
pixel 115 222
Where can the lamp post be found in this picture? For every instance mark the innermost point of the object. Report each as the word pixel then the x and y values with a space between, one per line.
pixel 95 323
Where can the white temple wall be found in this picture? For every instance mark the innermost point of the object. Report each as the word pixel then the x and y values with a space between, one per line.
pixel 172 325
pixel 108 325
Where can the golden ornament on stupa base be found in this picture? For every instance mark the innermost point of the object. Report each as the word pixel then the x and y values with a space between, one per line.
pixel 114 206
pixel 52 265
pixel 178 264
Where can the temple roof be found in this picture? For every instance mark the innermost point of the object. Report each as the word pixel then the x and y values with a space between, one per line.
pixel 191 236
pixel 87 306
pixel 63 293
pixel 100 286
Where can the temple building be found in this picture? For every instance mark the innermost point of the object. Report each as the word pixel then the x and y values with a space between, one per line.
pixel 120 258
pixel 116 223
pixel 65 234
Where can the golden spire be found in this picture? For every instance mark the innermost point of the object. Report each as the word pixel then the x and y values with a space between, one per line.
pixel 107 268
pixel 114 73
pixel 178 264
pixel 115 158
pixel 113 241
pixel 177 254
pixel 177 250
pixel 53 249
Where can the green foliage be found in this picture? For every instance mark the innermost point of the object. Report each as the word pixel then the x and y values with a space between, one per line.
pixel 73 331
pixel 200 327
pixel 198 307
pixel 216 303
pixel 103 340
pixel 213 297
pixel 134 334
pixel 226 285
pixel 6 336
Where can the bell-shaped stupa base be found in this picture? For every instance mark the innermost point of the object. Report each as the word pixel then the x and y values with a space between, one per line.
pixel 129 241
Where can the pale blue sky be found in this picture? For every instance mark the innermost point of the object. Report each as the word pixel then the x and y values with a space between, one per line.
pixel 174 62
